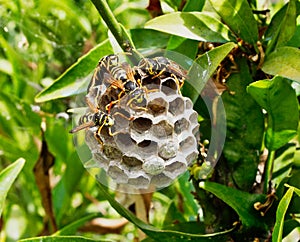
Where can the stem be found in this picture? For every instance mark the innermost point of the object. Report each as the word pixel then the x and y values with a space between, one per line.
pixel 118 32
pixel 269 170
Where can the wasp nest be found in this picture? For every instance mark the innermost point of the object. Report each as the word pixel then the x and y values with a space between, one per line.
pixel 154 134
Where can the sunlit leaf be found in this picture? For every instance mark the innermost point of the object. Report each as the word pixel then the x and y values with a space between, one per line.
pixel 73 80
pixel 238 16
pixel 284 61
pixel 286 27
pixel 7 177
pixel 203 68
pixel 199 26
pixel 5 66
pixel 279 99
pixel 241 202
pixel 280 213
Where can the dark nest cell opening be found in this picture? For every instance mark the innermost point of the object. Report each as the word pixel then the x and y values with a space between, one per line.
pixel 141 124
pixel 157 106
pixel 169 86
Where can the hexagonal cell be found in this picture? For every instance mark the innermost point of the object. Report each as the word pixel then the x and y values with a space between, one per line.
pixel 151 83
pixel 100 160
pixel 121 117
pixel 194 118
pixel 147 147
pixel 191 157
pixel 154 165
pixel 125 142
pixel 169 86
pixel 176 107
pixel 117 174
pixel 188 103
pixel 91 141
pixel 168 150
pixel 161 180
pixel 112 153
pixel 181 125
pixel 188 144
pixel 157 106
pixel 195 132
pixel 139 182
pixel 175 168
pixel 131 161
pixel 162 129
pixel 141 124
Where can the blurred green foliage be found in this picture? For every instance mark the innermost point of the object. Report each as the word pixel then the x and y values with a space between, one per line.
pixel 251 52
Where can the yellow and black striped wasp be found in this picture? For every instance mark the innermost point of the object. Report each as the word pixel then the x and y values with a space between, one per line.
pixel 119 79
pixel 95 118
pixel 161 65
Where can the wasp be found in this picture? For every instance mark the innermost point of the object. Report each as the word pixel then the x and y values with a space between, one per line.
pixel 125 81
pixel 161 65
pixel 105 65
pixel 96 118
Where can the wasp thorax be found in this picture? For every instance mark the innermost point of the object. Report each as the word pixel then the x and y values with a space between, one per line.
pixel 151 131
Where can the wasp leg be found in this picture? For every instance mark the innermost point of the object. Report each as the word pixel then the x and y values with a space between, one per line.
pixel 179 84
pixel 123 116
pixel 97 135
pixel 109 106
pixel 98 138
pixel 159 74
pixel 113 134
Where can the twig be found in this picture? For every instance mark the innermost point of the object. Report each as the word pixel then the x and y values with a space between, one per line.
pixel 114 26
pixel 268 170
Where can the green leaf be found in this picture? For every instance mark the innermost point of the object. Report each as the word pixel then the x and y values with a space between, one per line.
pixel 241 202
pixel 283 162
pixel 73 227
pixel 7 177
pixel 73 80
pixel 285 28
pixel 6 66
pixel 187 47
pixel 279 99
pixel 199 26
pixel 151 38
pixel 60 239
pixel 238 16
pixel 162 235
pixel 17 66
pixel 245 127
pixel 204 66
pixel 284 61
pixel 65 188
pixel 193 5
pixel 280 214
pixel 289 226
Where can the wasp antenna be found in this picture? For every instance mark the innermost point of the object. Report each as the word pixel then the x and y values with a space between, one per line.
pixel 82 126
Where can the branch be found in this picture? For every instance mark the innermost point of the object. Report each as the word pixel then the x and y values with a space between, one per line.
pixel 114 26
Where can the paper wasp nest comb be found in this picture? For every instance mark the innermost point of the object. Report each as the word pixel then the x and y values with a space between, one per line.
pixel 154 136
